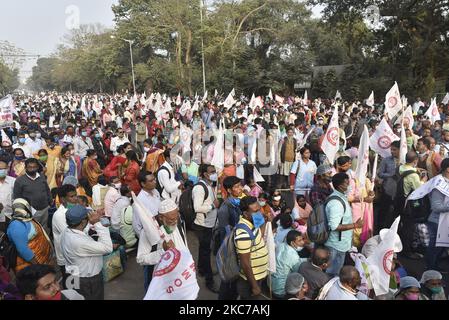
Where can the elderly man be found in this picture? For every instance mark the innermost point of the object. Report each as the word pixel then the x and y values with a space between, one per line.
pixel 118 141
pixel 345 287
pixel 174 236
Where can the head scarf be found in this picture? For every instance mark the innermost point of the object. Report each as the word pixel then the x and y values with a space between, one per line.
pixel 294 283
pixel 21 210
pixel 430 275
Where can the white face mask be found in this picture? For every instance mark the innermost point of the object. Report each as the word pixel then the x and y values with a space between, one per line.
pixel 146 149
pixel 213 177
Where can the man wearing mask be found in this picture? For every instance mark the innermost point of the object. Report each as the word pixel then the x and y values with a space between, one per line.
pixel 322 187
pixel 251 250
pixel 69 137
pixel 429 160
pixel 117 141
pixel 112 195
pixel 42 129
pixel 174 233
pixel 341 224
pixel 6 152
pixel 68 198
pixel 6 191
pixel 443 147
pixel 34 141
pixel 82 144
pixel 34 187
pixel 21 144
pixel 169 187
pixel 205 204
pixel 82 254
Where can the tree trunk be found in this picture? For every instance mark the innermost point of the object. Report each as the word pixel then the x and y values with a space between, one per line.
pixel 189 61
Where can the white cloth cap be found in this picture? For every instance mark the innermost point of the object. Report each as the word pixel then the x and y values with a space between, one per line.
pixel 167 206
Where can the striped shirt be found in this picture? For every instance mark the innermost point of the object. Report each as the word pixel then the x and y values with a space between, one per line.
pixel 257 248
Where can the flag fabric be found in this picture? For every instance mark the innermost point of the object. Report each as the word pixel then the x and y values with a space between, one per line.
pixel 331 141
pixel 133 101
pixel 196 105
pixel 216 93
pixel 432 113
pixel 370 100
pixel 363 158
pixel 6 112
pixel 445 99
pixel 185 107
pixel 205 96
pixel 271 248
pixel 407 118
pixel 5 137
pixel 373 176
pixel 257 176
pixel 270 95
pixel 381 140
pixel 230 101
pixel 178 100
pixel 150 226
pixel 360 261
pixel 306 98
pixel 338 96
pixel 174 277
pixel 393 101
pixel 381 260
pixel 279 99
pixel 252 103
pixel 437 182
pixel 218 157
pixel 185 134
pixel 404 149
pixel 304 140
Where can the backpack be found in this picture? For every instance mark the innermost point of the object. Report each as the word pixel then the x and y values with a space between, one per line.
pixel 159 187
pixel 399 197
pixel 8 252
pixel 186 207
pixel 418 210
pixel 317 224
pixel 227 260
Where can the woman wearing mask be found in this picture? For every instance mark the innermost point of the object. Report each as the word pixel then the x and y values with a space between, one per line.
pixel 32 243
pixel 287 261
pixel 17 166
pixel 409 289
pixel 131 172
pixel 100 147
pixel 91 168
pixel 66 166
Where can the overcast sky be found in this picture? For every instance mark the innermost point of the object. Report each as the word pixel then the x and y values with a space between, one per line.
pixel 38 26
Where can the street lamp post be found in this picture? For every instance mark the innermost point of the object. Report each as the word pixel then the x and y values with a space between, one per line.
pixel 131 42
pixel 202 46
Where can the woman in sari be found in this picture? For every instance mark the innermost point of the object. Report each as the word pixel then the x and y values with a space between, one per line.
pixel 32 243
pixel 66 166
pixel 114 168
pixel 17 166
pixel 131 172
pixel 91 168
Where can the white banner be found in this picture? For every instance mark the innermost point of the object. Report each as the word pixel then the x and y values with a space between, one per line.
pixel 331 142
pixel 393 102
pixel 363 158
pixel 432 113
pixel 6 112
pixel 370 100
pixel 381 140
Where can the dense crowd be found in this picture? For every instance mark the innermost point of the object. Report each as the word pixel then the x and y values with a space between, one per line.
pixel 83 177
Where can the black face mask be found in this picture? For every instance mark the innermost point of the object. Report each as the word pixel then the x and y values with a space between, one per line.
pixel 31 173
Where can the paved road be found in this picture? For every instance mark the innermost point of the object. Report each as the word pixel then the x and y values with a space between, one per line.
pixel 129 286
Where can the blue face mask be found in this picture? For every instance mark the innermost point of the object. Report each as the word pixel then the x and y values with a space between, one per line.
pixel 3 173
pixel 235 202
pixel 258 219
pixel 22 140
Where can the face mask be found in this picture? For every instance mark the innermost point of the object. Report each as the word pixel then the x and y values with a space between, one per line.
pixel 19 158
pixel 262 203
pixel 22 140
pixel 70 205
pixel 84 134
pixel 341 148
pixel 258 219
pixel 3 173
pixel 56 126
pixel 72 152
pixel 38 135
pixel 97 135
pixel 169 229
pixel 118 186
pixel 56 297
pixel 146 149
pixel 31 173
pixel 278 198
pixel 213 177
pixel 436 290
pixel 235 202
pixel 43 158
pixel 43 126
pixel 32 135
pixel 298 249
pixel 320 122
pixel 412 296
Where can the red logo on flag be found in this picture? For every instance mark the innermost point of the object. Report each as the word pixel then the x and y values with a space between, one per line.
pixel 434 111
pixel 392 102
pixel 168 262
pixel 388 261
pixel 332 136
pixel 384 142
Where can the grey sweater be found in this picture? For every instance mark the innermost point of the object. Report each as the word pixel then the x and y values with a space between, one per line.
pixel 438 206
pixel 36 191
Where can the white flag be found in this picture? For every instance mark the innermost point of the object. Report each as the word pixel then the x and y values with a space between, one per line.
pixel 271 247
pixel 149 223
pixel 229 102
pixel 404 149
pixel 196 105
pixel 306 98
pixel 205 96
pixel 338 96
pixel 331 141
pixel 407 118
pixel 363 158
pixel 432 113
pixel 270 95
pixel 381 260
pixel 279 99
pixel 393 102
pixel 381 140
pixel 232 92
pixel 218 158
pixel 252 103
pixel 373 176
pixel 133 101
pixel 216 93
pixel 174 277
pixel 185 107
pixel 5 137
pixel 185 134
pixel 257 176
pixel 370 101
pixel 446 99
pixel 304 140
pixel 178 100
